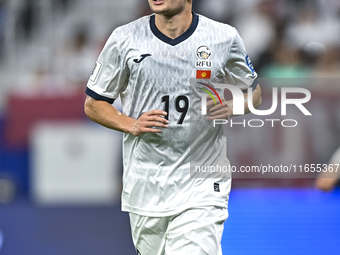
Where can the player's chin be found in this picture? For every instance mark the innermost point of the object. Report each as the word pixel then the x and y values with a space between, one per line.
pixel 164 9
pixel 159 10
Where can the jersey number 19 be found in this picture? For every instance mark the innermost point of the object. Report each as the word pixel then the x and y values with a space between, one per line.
pixel 180 107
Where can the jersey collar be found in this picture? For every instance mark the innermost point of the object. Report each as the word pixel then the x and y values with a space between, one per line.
pixel 180 38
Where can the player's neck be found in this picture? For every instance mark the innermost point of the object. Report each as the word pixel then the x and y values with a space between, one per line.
pixel 175 25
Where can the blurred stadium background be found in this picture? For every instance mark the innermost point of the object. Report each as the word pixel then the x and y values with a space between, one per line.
pixel 60 173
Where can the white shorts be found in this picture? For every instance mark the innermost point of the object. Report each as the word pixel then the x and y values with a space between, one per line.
pixel 195 231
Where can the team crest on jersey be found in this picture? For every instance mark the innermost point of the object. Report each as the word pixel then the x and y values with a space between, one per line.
pixel 203 53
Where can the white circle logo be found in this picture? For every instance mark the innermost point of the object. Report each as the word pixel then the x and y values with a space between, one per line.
pixel 203 52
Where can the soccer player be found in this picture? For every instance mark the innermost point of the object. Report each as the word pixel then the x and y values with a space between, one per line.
pixel 150 63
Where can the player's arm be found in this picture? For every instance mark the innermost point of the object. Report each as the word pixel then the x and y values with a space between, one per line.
pixel 256 99
pixel 225 110
pixel 239 71
pixel 328 180
pixel 109 77
pixel 108 116
pixel 326 183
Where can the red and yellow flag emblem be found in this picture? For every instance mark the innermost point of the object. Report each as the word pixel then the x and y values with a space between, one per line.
pixel 203 74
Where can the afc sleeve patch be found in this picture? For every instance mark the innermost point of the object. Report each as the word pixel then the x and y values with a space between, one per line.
pixel 96 71
pixel 249 64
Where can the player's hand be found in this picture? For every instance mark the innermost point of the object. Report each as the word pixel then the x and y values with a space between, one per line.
pixel 219 111
pixel 144 124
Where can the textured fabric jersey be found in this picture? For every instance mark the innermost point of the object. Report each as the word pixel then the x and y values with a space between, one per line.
pixel 150 71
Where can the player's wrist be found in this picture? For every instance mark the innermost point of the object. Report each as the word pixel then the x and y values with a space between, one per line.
pixel 125 123
pixel 129 127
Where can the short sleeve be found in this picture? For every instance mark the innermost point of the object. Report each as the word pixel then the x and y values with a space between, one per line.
pixel 239 69
pixel 110 74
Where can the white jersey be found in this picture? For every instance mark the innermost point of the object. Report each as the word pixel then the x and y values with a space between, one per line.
pixel 150 71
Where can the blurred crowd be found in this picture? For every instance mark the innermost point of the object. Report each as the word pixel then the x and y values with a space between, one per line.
pixel 284 38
